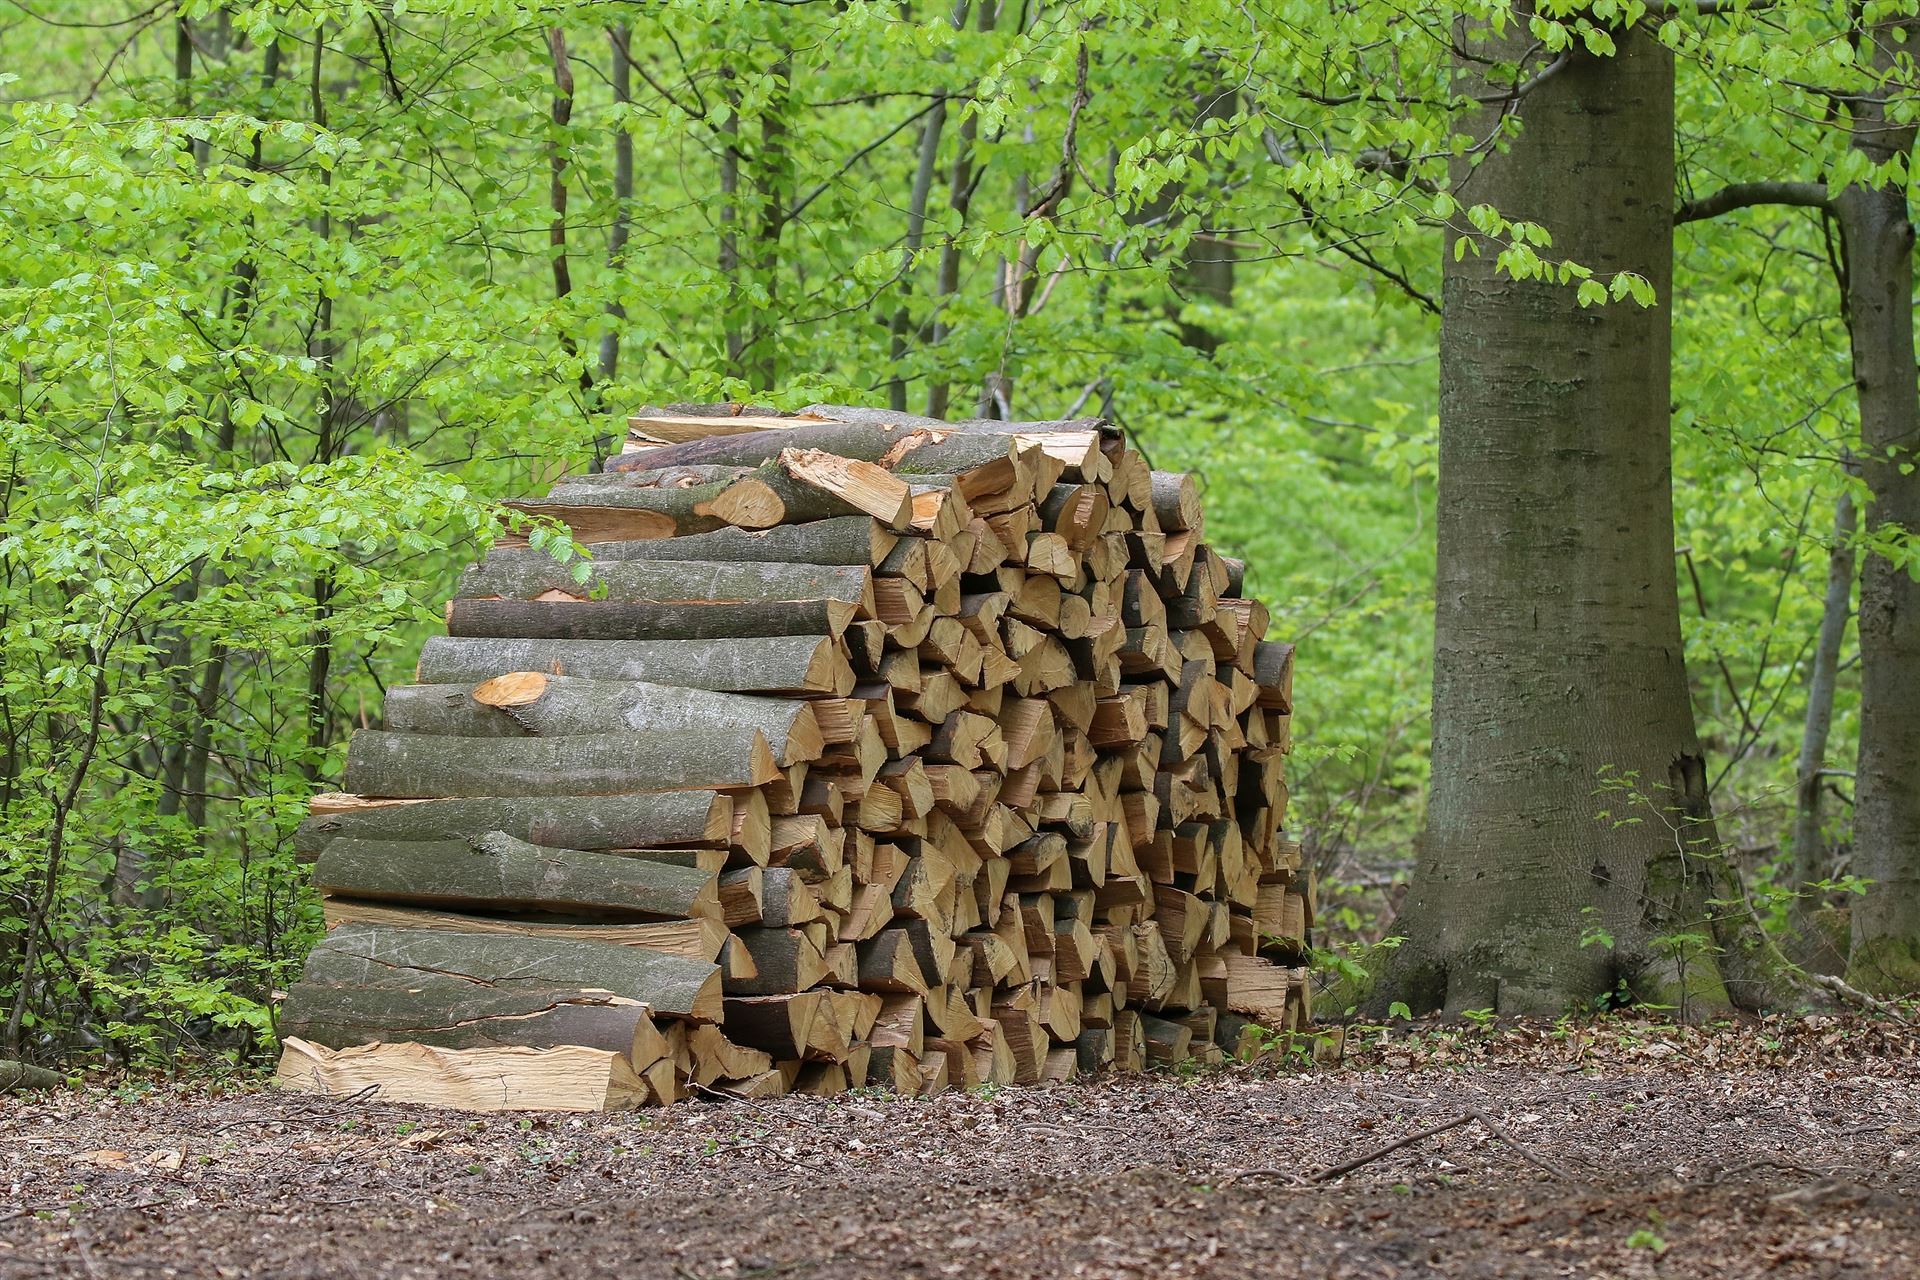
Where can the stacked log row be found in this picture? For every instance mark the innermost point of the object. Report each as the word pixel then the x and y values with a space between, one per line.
pixel 869 750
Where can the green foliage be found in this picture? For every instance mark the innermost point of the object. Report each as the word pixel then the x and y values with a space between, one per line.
pixel 278 327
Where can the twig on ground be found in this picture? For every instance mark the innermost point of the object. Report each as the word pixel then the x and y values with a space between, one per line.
pixel 1387 1149
pixel 1520 1148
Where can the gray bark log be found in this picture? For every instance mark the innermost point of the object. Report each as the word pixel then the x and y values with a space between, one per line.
pixel 478 966
pixel 765 664
pixel 688 583
pixel 602 620
pixel 569 822
pixel 568 706
pixel 453 1014
pixel 16 1077
pixel 499 873
pixel 844 540
pixel 418 765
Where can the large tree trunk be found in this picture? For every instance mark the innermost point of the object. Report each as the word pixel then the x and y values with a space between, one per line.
pixel 1568 784
pixel 1885 955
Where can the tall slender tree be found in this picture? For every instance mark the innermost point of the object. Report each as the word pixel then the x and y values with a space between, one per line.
pixel 1869 125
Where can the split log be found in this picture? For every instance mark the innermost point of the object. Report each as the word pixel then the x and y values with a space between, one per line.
pixel 560 1079
pixel 1176 501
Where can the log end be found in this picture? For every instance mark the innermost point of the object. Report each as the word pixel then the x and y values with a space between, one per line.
pixel 514 689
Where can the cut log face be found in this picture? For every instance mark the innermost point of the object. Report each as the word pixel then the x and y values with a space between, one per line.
pixel 870 748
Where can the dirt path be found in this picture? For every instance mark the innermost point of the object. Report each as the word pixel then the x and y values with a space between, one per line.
pixel 1662 1153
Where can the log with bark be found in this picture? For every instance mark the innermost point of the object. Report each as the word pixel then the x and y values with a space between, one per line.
pixel 870 749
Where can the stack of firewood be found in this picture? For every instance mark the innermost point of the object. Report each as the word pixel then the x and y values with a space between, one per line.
pixel 870 750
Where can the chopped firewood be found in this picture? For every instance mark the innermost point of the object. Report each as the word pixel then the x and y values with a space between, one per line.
pixel 871 749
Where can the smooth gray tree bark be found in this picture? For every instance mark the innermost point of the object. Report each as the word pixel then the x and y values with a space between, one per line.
pixel 1569 848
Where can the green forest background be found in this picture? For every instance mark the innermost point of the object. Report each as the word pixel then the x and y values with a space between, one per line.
pixel 290 292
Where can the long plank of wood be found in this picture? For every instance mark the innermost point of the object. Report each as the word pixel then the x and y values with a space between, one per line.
pixel 478 969
pixel 785 664
pixel 573 1078
pixel 496 872
pixel 568 822
pixel 412 765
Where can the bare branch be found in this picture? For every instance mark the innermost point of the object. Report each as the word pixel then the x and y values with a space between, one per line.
pixel 1746 195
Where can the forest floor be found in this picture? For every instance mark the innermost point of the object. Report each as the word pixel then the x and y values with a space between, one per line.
pixel 1783 1148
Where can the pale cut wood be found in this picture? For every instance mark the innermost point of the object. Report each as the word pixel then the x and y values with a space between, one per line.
pixel 507 1079
pixel 863 485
